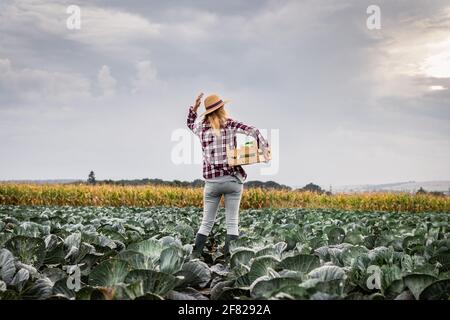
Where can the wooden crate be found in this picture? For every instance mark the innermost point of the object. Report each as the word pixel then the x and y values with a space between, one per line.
pixel 245 155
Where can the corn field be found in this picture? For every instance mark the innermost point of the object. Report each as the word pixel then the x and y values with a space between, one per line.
pixel 150 196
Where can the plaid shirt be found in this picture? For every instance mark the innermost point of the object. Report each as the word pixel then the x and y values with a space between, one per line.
pixel 215 163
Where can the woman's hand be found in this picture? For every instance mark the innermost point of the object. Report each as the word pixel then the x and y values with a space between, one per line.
pixel 198 101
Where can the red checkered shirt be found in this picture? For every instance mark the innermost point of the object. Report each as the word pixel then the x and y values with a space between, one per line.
pixel 215 163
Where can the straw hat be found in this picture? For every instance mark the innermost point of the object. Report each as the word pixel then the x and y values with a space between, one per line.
pixel 212 103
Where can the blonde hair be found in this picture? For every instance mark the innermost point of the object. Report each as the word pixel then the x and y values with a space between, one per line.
pixel 217 119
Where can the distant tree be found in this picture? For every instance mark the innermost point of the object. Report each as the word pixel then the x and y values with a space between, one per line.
pixel 179 183
pixel 271 184
pixel 437 193
pixel 266 185
pixel 312 188
pixel 255 184
pixel 433 193
pixel 421 191
pixel 198 183
pixel 91 178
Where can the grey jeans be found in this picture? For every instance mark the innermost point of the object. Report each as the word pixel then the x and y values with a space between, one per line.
pixel 232 192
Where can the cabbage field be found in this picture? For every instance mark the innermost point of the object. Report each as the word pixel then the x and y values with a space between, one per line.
pixel 144 253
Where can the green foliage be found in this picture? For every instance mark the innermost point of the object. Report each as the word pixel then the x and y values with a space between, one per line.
pixel 143 253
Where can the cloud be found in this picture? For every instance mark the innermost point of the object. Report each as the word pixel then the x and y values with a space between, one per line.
pixel 146 78
pixel 412 53
pixel 342 96
pixel 106 81
pixel 188 25
pixel 110 30
pixel 280 21
pixel 32 85
pixel 102 29
pixel 385 156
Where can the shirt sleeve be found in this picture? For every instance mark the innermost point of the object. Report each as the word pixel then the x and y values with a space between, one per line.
pixel 240 127
pixel 192 116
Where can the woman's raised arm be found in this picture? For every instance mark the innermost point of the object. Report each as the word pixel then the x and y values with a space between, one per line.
pixel 192 115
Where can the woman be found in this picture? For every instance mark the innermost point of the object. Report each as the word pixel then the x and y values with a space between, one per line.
pixel 217 131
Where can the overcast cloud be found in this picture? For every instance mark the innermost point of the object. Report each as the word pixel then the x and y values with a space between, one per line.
pixel 352 105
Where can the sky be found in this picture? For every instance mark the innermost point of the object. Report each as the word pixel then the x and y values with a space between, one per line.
pixel 341 103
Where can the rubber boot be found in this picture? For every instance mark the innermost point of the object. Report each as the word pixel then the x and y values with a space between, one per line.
pixel 226 248
pixel 200 241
